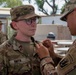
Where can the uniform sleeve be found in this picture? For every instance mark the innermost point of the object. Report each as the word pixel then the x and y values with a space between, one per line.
pixel 3 61
pixel 1 64
pixel 57 59
pixel 67 66
pixel 4 38
pixel 47 67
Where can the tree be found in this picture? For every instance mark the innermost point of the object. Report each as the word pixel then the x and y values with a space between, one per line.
pixel 28 1
pixel 10 3
pixel 40 4
pixel 66 1
pixel 53 6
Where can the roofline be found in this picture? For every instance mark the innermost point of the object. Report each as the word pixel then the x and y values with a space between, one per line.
pixel 5 8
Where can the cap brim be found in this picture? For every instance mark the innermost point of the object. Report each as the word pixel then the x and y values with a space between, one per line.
pixel 30 16
pixel 64 16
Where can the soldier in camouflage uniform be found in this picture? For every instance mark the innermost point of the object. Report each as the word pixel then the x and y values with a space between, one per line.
pixel 3 37
pixel 65 65
pixel 21 54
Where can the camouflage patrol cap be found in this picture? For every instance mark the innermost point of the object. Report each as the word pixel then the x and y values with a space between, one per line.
pixel 70 6
pixel 1 23
pixel 22 12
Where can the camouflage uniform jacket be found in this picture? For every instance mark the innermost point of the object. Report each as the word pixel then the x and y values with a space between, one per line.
pixel 20 58
pixel 3 37
pixel 65 65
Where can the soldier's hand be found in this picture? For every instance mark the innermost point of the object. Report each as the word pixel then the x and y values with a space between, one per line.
pixel 42 51
pixel 47 43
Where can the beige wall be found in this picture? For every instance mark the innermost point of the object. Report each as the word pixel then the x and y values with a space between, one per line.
pixel 61 32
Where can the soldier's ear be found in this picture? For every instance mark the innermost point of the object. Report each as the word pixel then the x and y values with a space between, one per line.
pixel 13 25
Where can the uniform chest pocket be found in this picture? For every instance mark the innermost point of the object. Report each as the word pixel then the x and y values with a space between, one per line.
pixel 20 65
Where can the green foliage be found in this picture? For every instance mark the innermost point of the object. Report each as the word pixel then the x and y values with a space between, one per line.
pixel 63 9
pixel 40 3
pixel 50 3
pixel 1 2
pixel 10 3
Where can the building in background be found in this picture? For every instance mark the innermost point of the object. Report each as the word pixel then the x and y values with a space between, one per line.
pixel 61 32
pixel 4 15
pixel 53 19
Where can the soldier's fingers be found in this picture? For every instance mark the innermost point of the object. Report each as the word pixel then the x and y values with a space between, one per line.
pixel 37 45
